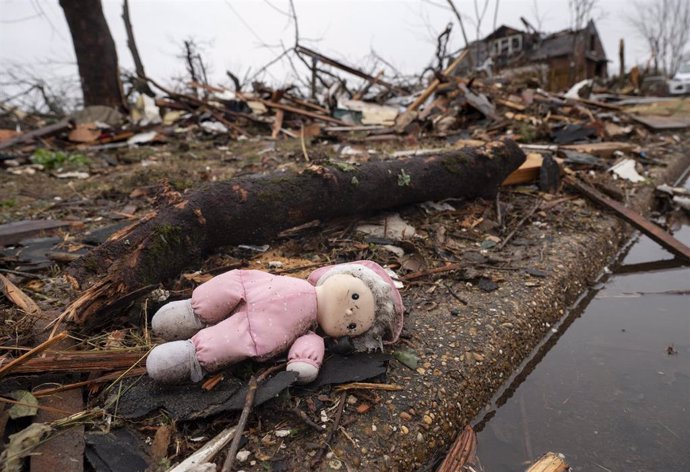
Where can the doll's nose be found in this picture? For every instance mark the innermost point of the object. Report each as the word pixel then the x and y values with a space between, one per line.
pixel 352 326
pixel 349 312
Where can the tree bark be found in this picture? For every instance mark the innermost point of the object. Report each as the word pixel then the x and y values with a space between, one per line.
pixel 254 209
pixel 95 51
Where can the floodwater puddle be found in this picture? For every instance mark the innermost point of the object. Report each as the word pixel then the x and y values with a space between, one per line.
pixel 610 389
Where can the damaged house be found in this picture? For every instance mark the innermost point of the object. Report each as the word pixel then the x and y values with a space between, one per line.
pixel 559 59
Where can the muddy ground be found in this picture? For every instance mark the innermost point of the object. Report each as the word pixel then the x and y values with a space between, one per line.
pixel 470 327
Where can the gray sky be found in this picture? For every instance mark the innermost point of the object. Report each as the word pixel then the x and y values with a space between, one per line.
pixel 242 35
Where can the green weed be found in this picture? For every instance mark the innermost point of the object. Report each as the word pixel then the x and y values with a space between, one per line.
pixel 53 159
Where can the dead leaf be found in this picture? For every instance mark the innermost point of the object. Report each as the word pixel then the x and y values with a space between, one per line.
pixel 413 263
pixel 115 339
pixel 21 444
pixel 27 405
pixel 196 277
pixel 19 298
pixel 161 442
pixel 6 134
pixel 84 133
pixel 311 130
pixel 363 408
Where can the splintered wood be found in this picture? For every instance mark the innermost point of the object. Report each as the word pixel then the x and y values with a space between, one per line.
pixel 18 297
pixel 462 453
pixel 550 462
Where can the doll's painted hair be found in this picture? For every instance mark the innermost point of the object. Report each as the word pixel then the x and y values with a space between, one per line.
pixel 384 312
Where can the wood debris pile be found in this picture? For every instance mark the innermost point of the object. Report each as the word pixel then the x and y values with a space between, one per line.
pixel 447 183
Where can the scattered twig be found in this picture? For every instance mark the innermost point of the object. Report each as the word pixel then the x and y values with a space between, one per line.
pixel 529 214
pixel 207 452
pixel 235 445
pixel 368 386
pixel 304 146
pixel 455 295
pixel 40 407
pixel 334 428
pixel 308 421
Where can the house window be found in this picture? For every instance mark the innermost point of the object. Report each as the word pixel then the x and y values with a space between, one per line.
pixel 506 46
pixel 592 43
pixel 494 48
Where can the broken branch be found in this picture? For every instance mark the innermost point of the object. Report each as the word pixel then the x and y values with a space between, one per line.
pixel 181 234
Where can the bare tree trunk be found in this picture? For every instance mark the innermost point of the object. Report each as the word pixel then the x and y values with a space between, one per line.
pixel 621 58
pixel 142 85
pixel 95 51
pixel 225 213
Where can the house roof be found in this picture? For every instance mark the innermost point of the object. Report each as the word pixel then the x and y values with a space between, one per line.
pixel 503 31
pixel 563 44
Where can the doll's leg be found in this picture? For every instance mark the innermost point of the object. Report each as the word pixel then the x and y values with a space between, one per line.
pixel 224 343
pixel 211 349
pixel 174 362
pixel 176 320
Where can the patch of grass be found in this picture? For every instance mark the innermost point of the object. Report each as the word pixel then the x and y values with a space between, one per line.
pixel 8 203
pixel 526 132
pixel 53 159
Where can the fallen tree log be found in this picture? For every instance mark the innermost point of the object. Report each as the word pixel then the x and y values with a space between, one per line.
pixel 254 209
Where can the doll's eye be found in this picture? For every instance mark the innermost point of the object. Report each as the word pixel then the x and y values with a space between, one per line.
pixel 355 296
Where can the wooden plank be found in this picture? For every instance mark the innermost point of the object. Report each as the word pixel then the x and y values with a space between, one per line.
pixel 80 361
pixel 601 149
pixel 12 233
pixel 528 172
pixel 657 234
pixel 661 123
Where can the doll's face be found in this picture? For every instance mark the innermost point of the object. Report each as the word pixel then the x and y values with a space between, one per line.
pixel 345 306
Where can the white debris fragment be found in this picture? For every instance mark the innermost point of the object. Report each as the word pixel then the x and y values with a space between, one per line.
pixel 626 170
pixel 282 433
pixel 142 138
pixel 214 127
pixel 436 207
pixel 242 455
pixel 72 175
pixel 683 202
pixel 391 227
pixel 398 251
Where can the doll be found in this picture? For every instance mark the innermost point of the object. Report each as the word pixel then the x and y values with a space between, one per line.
pixel 245 314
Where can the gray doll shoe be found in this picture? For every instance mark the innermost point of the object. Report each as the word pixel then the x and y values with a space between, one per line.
pixel 174 362
pixel 176 320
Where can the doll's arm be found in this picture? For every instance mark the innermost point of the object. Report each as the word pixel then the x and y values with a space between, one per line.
pixel 305 357
pixel 215 300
